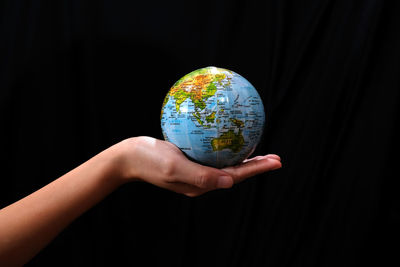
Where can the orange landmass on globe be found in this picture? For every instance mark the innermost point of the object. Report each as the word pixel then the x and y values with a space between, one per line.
pixel 198 88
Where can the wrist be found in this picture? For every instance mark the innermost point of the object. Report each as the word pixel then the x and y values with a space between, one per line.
pixel 112 162
pixel 124 159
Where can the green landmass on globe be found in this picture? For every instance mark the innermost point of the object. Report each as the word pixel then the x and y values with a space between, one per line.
pixel 214 115
pixel 198 85
pixel 228 140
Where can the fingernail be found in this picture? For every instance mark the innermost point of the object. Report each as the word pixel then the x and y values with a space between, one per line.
pixel 224 182
pixel 278 166
pixel 273 156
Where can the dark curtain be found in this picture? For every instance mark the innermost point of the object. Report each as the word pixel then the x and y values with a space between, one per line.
pixel 79 76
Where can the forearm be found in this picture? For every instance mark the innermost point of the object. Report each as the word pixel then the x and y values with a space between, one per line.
pixel 31 223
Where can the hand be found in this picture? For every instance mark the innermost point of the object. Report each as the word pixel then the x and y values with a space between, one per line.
pixel 29 224
pixel 163 164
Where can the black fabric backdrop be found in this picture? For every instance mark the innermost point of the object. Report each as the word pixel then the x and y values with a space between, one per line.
pixel 74 75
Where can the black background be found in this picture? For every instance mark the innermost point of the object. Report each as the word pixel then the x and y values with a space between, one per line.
pixel 74 74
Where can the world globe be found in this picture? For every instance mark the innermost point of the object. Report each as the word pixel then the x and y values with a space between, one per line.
pixel 214 115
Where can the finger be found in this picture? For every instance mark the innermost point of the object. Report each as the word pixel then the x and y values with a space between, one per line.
pixel 186 189
pixel 255 158
pixel 252 167
pixel 204 177
pixel 272 156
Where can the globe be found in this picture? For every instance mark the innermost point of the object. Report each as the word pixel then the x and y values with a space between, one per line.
pixel 214 115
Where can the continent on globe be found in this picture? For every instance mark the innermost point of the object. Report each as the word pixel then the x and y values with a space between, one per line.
pixel 228 140
pixel 214 115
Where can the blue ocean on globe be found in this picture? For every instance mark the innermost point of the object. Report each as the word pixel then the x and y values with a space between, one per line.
pixel 214 115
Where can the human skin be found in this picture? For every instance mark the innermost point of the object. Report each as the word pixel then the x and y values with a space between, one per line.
pixel 29 224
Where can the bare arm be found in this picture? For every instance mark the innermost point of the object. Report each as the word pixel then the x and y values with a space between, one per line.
pixel 29 224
